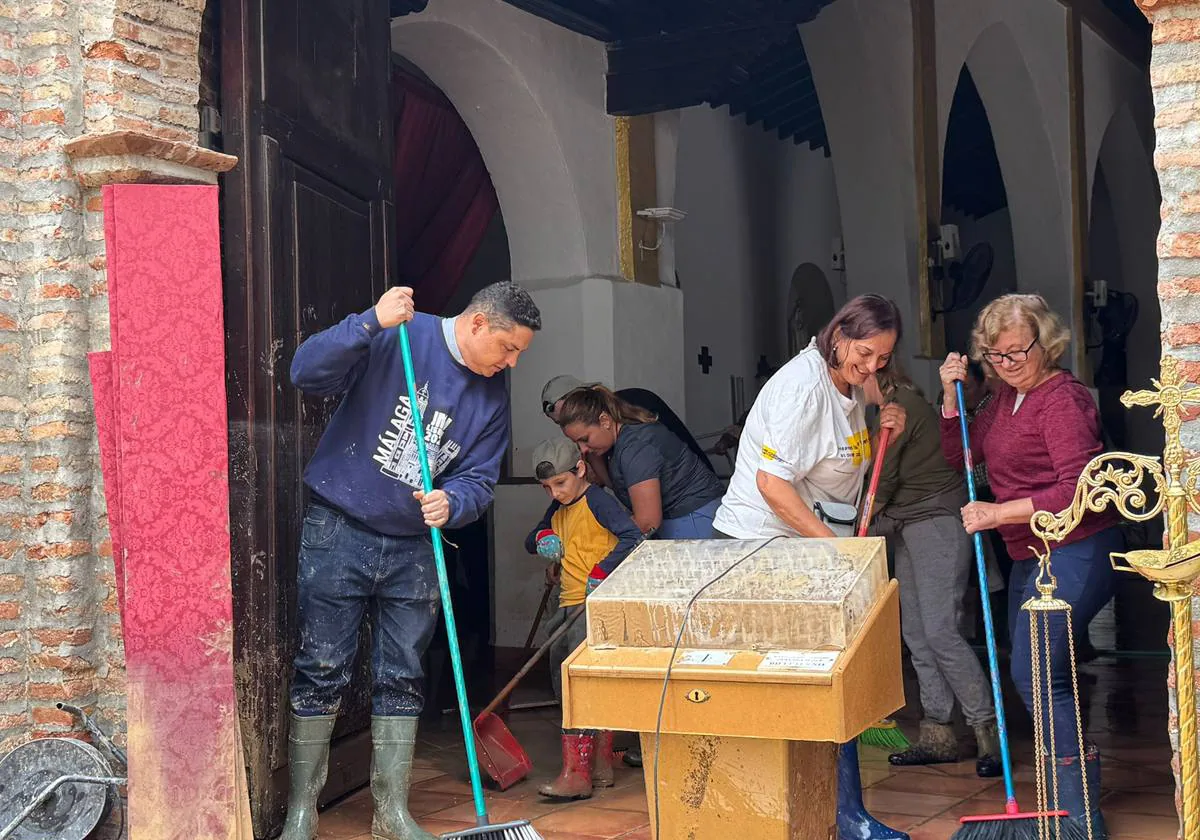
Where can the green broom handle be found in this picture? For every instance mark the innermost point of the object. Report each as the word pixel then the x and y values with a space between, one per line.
pixel 989 628
pixel 435 534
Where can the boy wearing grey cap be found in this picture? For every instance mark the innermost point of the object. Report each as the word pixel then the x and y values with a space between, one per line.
pixel 585 533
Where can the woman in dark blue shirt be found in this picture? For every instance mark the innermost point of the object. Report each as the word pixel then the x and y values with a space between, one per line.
pixel 671 494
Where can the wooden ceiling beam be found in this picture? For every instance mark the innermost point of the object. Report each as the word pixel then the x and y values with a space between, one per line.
pixel 763 87
pixel 712 43
pixel 801 123
pixel 568 17
pixel 685 68
pixel 784 104
pixel 400 8
pixel 1112 30
pixel 630 95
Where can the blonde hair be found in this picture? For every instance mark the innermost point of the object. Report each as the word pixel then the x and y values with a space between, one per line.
pixel 1010 311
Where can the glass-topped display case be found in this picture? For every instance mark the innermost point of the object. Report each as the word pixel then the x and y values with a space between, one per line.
pixel 780 594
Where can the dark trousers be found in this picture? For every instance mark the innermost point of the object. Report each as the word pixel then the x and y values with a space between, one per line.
pixel 347 572
pixel 1085 579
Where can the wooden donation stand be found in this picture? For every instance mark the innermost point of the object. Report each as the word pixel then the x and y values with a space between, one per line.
pixel 792 648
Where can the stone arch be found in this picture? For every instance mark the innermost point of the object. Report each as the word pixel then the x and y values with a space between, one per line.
pixel 1037 198
pixel 1124 205
pixel 519 143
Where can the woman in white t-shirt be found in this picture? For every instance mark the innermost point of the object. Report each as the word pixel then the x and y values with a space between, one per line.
pixel 805 447
pixel 801 461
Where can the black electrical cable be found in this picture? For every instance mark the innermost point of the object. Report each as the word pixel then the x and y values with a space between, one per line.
pixel 662 700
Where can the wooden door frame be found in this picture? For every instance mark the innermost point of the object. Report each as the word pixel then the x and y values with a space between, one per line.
pixel 247 220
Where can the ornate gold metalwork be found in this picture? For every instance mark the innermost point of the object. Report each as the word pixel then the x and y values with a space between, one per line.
pixel 1140 488
pixel 1042 610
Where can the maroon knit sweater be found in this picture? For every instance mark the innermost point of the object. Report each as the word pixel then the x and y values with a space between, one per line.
pixel 1037 453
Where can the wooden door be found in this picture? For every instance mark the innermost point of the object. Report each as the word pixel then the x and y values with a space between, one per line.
pixel 305 94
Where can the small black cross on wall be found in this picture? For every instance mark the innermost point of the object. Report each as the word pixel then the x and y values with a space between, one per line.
pixel 704 359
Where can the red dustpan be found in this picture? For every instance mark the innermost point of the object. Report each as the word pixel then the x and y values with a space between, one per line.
pixel 500 753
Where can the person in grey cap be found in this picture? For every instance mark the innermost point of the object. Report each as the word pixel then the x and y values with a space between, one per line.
pixel 558 387
pixel 585 534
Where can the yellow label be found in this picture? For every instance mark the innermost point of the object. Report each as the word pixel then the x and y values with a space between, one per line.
pixel 770 454
pixel 860 447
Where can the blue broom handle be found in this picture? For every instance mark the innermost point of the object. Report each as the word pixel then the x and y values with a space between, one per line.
pixel 985 598
pixel 435 534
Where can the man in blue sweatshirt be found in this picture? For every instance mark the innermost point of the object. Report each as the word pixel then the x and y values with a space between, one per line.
pixel 365 543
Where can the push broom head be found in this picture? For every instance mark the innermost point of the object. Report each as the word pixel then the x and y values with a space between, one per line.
pixel 885 735
pixel 1019 826
pixel 519 830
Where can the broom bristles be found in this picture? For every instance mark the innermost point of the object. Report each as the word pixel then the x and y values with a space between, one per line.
pixel 885 735
pixel 1006 827
pixel 519 830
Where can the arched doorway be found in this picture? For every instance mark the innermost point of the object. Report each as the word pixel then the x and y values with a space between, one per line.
pixel 974 199
pixel 1035 187
pixel 810 306
pixel 1124 351
pixel 309 237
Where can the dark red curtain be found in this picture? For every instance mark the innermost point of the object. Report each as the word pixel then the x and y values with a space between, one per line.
pixel 444 195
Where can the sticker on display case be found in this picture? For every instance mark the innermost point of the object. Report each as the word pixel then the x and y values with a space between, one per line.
pixel 706 657
pixel 799 660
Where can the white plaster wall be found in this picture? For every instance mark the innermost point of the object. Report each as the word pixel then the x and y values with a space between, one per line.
pixel 1110 83
pixel 726 256
pixel 666 149
pixel 648 325
pixel 517 579
pixel 809 220
pixel 861 57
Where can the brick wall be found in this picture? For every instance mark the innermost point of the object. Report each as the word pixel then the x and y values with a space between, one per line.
pixel 67 67
pixel 1175 78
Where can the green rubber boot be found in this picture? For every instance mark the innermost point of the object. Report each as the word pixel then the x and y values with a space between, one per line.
pixel 394 740
pixel 308 763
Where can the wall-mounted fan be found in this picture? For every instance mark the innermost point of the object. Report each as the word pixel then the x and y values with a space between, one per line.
pixel 1109 327
pixel 961 282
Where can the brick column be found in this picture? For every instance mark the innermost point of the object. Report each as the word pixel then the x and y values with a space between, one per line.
pixel 1175 78
pixel 68 69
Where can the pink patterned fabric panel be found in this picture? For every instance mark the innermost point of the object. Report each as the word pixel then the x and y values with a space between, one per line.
pixel 168 366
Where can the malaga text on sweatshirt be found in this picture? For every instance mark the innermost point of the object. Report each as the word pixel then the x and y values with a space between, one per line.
pixel 366 463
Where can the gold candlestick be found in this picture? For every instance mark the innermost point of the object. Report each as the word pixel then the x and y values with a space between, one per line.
pixel 1121 479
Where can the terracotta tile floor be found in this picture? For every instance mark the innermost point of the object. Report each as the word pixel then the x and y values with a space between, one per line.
pixel 1125 701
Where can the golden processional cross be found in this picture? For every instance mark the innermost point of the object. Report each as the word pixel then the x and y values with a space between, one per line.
pixel 1140 488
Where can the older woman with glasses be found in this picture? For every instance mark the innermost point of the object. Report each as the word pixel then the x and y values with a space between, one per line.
pixel 1036 435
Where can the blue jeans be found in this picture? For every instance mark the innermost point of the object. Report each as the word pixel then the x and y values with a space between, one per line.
pixel 697 525
pixel 348 571
pixel 1085 581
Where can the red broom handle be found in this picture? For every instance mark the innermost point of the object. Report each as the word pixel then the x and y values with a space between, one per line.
pixel 864 521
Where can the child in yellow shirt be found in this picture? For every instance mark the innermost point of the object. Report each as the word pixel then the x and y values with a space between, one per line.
pixel 586 534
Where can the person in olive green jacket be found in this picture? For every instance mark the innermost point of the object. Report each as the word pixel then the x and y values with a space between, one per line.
pixel 917 507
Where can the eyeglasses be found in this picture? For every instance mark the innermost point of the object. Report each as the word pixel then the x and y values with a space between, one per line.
pixel 547 408
pixel 1016 357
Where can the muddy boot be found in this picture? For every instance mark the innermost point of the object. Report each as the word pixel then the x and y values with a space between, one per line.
pixel 393 740
pixel 603 759
pixel 936 745
pixel 853 821
pixel 308 763
pixel 988 764
pixel 1071 786
pixel 575 780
